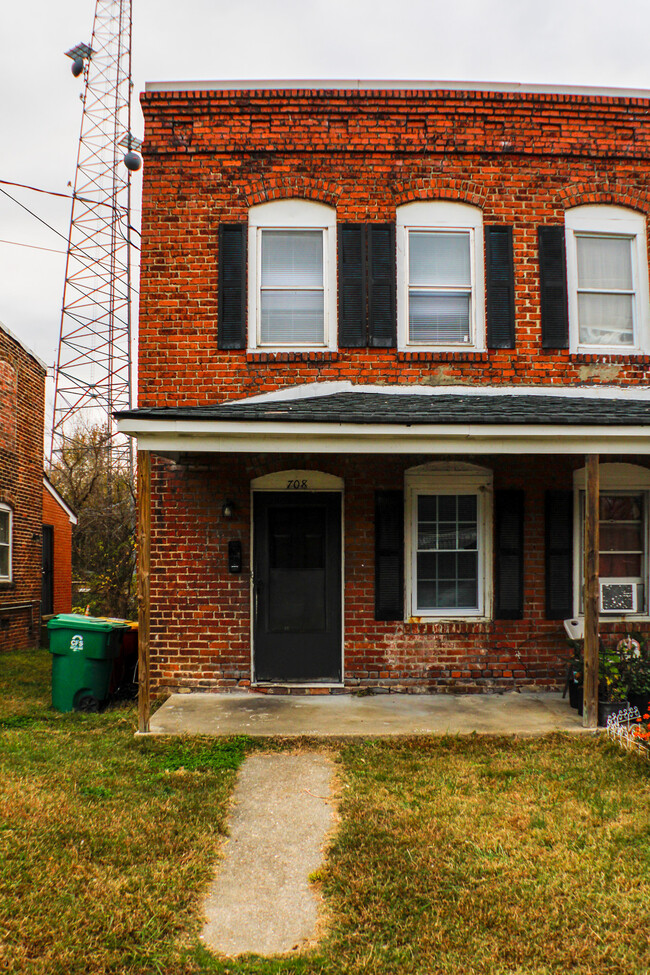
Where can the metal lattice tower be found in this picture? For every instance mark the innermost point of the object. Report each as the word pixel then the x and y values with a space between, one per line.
pixel 93 372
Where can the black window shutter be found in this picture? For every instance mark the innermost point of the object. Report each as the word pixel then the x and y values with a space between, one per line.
pixel 553 288
pixel 389 555
pixel 509 555
pixel 232 286
pixel 352 285
pixel 500 279
pixel 559 554
pixel 382 275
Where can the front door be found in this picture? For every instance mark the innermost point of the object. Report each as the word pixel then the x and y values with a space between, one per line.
pixel 47 586
pixel 297 587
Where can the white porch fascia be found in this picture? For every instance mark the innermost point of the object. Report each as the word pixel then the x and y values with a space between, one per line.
pixel 171 437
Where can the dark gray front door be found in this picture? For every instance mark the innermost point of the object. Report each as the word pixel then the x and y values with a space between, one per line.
pixel 297 586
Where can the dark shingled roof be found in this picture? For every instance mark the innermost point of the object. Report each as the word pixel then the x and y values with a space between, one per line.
pixel 405 408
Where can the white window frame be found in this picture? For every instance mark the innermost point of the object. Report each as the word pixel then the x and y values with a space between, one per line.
pixel 602 220
pixel 291 214
pixel 442 215
pixel 450 478
pixel 623 479
pixel 5 509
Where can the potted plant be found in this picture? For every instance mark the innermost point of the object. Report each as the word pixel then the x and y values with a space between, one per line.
pixel 612 690
pixel 634 658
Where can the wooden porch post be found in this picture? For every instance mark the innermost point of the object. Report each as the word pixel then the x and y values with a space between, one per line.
pixel 591 594
pixel 144 608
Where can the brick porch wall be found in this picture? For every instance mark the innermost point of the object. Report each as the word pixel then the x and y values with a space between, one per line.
pixel 201 613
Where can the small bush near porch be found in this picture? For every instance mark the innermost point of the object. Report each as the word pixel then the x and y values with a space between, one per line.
pixel 452 856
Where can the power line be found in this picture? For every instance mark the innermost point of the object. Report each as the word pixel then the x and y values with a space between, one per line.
pixel 68 196
pixel 35 215
pixel 49 225
pixel 35 247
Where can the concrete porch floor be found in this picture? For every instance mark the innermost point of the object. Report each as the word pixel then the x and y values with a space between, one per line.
pixel 286 715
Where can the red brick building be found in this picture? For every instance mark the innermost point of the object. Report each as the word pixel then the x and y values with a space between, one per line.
pixel 380 331
pixel 58 519
pixel 22 397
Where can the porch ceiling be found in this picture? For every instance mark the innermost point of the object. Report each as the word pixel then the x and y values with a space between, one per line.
pixel 402 420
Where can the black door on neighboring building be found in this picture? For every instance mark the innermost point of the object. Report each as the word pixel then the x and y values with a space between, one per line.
pixel 297 586
pixel 47 586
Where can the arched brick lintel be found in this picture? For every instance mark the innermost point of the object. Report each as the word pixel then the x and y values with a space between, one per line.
pixel 294 187
pixel 584 194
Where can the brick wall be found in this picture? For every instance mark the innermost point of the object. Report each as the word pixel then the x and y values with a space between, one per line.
pixel 201 613
pixel 523 159
pixel 22 395
pixel 54 515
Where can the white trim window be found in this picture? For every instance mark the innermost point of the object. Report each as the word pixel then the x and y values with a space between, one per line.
pixel 440 276
pixel 623 528
pixel 6 543
pixel 449 541
pixel 292 275
pixel 607 277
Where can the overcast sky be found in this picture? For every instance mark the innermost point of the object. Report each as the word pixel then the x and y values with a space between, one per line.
pixel 577 42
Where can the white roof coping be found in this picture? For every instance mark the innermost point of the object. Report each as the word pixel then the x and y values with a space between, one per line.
pixel 57 497
pixel 293 84
pixel 24 347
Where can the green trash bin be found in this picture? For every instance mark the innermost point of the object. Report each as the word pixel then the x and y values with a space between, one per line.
pixel 83 650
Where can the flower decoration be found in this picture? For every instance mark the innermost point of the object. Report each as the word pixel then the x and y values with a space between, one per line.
pixel 628 647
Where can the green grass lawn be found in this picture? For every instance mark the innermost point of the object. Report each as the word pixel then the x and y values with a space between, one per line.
pixel 471 855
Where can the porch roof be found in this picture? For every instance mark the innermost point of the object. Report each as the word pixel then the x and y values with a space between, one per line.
pixel 331 417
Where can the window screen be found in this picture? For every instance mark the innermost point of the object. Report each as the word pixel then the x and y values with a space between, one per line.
pixel 5 544
pixel 440 287
pixel 605 290
pixel 447 551
pixel 292 298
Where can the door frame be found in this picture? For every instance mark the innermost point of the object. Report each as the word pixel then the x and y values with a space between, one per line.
pixel 298 482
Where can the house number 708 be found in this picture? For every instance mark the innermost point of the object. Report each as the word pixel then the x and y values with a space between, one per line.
pixel 296 485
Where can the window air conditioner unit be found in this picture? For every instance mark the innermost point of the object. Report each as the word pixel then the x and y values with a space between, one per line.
pixel 618 596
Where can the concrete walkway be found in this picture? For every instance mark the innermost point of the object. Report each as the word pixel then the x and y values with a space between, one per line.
pixel 348 715
pixel 261 900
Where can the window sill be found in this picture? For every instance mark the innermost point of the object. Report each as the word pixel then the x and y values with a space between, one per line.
pixel 448 619
pixel 291 355
pixel 630 355
pixel 606 618
pixel 442 355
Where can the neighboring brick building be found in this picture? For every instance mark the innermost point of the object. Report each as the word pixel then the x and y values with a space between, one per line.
pixel 22 397
pixel 58 519
pixel 379 332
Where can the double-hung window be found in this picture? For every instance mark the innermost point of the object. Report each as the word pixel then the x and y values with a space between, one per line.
pixel 607 272
pixel 6 527
pixel 440 276
pixel 448 534
pixel 292 275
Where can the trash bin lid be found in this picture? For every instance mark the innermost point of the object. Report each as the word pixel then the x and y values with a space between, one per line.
pixel 71 621
pixel 118 623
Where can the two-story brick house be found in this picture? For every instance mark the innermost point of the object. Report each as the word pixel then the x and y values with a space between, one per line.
pixel 381 328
